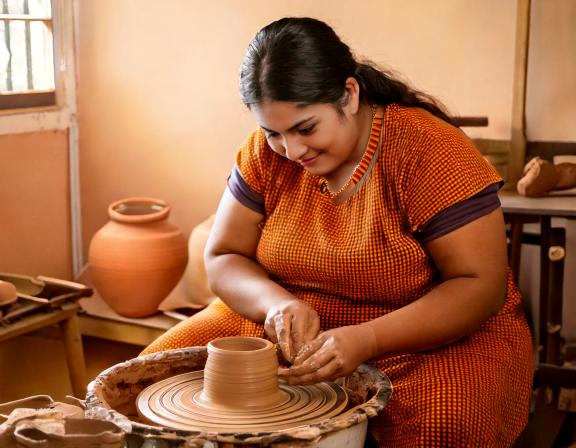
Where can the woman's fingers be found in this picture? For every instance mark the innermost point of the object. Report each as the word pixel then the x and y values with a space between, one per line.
pixel 321 366
pixel 304 331
pixel 291 325
pixel 270 330
pixel 283 326
pixel 309 349
pixel 332 354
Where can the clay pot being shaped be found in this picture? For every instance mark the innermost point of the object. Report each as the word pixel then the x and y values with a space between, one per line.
pixel 137 257
pixel 238 391
pixel 241 373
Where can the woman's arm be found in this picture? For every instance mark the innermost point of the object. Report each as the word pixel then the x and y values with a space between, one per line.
pixel 472 262
pixel 236 277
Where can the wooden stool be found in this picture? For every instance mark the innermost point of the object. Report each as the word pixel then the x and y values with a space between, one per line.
pixel 66 317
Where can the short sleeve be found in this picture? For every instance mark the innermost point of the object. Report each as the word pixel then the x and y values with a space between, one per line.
pixel 253 161
pixel 441 168
pixel 243 193
pixel 460 214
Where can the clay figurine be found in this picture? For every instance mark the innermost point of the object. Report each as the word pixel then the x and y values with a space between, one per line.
pixel 541 176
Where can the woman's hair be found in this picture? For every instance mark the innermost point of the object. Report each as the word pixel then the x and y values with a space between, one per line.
pixel 302 60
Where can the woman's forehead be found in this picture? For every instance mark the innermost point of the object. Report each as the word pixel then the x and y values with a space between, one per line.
pixel 286 114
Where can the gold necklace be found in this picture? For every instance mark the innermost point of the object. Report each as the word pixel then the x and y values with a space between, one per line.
pixel 349 182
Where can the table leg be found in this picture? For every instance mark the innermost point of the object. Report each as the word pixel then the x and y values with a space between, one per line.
pixel 74 355
pixel 545 243
pixel 555 295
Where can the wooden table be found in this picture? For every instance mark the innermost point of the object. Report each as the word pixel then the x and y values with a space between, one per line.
pixel 100 321
pixel 518 210
pixel 550 376
pixel 66 316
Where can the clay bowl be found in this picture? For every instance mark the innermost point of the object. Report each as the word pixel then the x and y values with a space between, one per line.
pixel 24 284
pixel 8 293
pixel 112 395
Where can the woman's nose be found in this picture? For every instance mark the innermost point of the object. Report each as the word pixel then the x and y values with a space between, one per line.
pixel 294 148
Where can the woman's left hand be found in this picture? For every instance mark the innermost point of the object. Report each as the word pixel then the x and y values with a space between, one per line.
pixel 332 354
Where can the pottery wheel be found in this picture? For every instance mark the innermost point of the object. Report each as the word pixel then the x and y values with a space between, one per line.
pixel 177 403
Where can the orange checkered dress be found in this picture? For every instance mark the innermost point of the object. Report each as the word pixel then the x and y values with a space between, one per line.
pixel 358 260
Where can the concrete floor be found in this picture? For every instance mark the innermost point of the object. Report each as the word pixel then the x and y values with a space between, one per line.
pixel 35 364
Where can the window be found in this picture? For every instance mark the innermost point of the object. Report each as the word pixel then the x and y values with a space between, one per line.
pixel 26 54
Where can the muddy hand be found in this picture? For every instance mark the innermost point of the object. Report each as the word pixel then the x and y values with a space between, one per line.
pixel 332 354
pixel 291 324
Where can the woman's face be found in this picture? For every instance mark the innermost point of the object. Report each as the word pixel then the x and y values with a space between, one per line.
pixel 316 136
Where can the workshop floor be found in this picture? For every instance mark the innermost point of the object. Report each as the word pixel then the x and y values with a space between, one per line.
pixel 35 364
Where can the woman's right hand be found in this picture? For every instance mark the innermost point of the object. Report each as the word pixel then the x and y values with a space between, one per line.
pixel 291 324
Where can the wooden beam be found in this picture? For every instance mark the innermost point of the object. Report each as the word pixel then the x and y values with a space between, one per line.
pixel 518 137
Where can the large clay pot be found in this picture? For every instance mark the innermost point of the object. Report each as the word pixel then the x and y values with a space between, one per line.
pixel 137 257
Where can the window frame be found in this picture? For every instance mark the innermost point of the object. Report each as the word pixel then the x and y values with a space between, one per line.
pixel 23 101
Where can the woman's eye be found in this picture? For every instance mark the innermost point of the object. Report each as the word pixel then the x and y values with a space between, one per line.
pixel 271 134
pixel 308 130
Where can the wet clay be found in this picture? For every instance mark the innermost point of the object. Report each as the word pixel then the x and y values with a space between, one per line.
pixel 238 391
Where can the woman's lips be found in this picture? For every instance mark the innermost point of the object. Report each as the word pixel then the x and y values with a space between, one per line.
pixel 310 161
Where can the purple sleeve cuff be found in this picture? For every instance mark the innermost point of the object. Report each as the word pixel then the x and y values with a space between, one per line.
pixel 461 213
pixel 241 191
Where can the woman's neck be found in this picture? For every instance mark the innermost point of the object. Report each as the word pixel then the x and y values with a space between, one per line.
pixel 340 177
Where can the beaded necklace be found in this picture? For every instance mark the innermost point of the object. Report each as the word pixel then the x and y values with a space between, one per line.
pixel 360 169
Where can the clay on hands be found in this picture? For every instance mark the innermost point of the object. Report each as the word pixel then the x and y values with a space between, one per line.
pixel 291 324
pixel 334 353
pixel 541 176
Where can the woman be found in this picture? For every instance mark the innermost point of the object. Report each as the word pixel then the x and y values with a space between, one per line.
pixel 359 225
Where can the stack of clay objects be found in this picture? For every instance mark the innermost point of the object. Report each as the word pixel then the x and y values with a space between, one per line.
pixel 540 177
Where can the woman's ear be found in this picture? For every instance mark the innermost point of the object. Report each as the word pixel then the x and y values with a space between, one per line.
pixel 351 101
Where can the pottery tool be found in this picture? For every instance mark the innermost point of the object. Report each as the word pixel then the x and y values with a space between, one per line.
pixel 33 299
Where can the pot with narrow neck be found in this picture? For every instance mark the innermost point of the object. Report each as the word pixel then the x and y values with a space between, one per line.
pixel 137 257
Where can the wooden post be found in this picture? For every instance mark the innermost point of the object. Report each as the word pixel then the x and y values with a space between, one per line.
pixel 517 157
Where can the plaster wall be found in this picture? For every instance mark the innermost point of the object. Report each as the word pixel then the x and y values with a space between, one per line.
pixel 551 83
pixel 159 110
pixel 158 95
pixel 35 213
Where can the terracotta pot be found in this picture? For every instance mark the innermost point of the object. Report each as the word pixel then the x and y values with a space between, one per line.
pixel 137 257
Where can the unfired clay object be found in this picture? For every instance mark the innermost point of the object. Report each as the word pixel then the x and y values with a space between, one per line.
pixel 238 391
pixel 195 278
pixel 193 290
pixel 112 396
pixel 137 257
pixel 8 293
pixel 541 176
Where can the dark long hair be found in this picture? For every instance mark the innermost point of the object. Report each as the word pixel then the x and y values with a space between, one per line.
pixel 302 60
